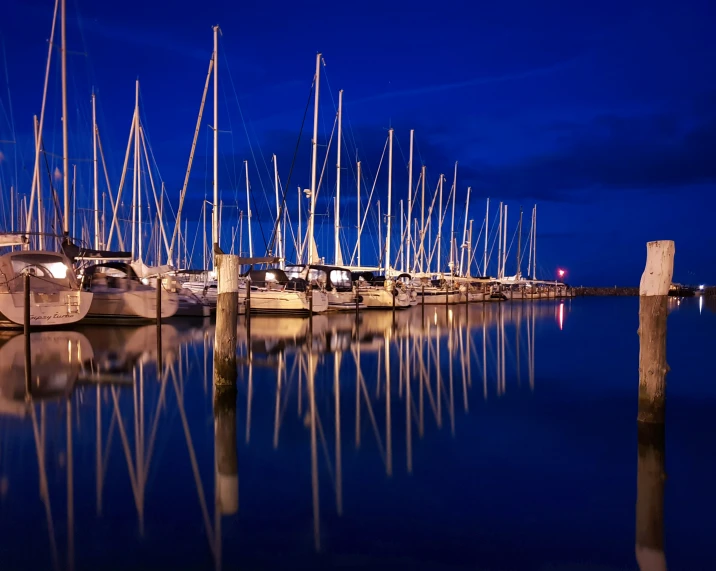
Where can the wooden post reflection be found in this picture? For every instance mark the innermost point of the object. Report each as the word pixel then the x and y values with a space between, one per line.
pixel 314 452
pixel 227 462
pixel 337 404
pixel 650 498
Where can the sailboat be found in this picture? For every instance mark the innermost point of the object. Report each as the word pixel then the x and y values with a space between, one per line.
pixel 55 296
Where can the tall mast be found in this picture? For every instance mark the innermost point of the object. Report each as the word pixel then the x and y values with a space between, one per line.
pixel 487 235
pixel 299 252
pixel 248 210
pixel 94 173
pixel 390 200
pixel 358 207
pixel 138 167
pixel 422 218
pixel 134 171
pixel 314 161
pixel 215 205
pixel 36 187
pixel 408 242
pixel 519 246
pixel 65 119
pixel 464 233
pixel 402 244
pixel 469 249
pixel 504 241
pixel 534 246
pixel 279 249
pixel 499 246
pixel 336 224
pixel 440 221
pixel 380 236
pixel 452 223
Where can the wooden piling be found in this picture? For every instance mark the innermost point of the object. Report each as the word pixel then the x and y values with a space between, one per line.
pixel 227 305
pixel 227 462
pixel 653 300
pixel 28 346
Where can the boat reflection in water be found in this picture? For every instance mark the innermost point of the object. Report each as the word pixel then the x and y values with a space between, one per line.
pixel 310 392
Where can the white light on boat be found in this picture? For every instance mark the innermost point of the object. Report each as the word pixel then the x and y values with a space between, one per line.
pixel 58 270
pixel 701 287
pixel 145 281
pixel 270 276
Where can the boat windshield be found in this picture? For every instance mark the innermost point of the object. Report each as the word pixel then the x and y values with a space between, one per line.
pixel 341 279
pixel 318 276
pixel 294 272
pixel 42 266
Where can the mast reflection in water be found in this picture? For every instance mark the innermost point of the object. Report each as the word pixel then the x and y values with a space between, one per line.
pixel 416 440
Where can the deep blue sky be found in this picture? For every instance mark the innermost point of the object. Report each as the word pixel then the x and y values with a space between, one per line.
pixel 604 114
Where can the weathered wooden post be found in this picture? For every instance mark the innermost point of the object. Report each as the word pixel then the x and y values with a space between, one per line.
pixel 653 301
pixel 227 305
pixel 28 346
pixel 227 462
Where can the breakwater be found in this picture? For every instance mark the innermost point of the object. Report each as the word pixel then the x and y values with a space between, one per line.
pixel 605 291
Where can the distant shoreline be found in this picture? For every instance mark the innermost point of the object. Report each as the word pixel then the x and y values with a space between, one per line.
pixel 620 291
pixel 605 291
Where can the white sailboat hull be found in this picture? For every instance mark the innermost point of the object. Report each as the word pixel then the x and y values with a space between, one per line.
pixel 381 298
pixel 127 304
pixel 47 309
pixel 288 302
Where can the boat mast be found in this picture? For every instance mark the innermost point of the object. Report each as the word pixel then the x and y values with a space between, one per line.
pixel 504 241
pixel 36 187
pixel 380 236
pixel 215 209
pixel 469 250
pixel 534 245
pixel 487 235
pixel 410 200
pixel 390 201
pixel 440 222
pixel 314 161
pixel 248 210
pixel 499 246
pixel 452 223
pixel 134 171
pixel 519 246
pixel 422 219
pixel 278 213
pixel 464 233
pixel 65 119
pixel 336 224
pixel 358 207
pixel 299 242
pixel 94 173
pixel 138 169
pixel 402 244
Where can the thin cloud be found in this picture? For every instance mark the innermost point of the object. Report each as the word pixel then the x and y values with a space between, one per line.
pixel 429 89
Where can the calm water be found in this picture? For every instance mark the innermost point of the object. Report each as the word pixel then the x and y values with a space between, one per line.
pixel 504 438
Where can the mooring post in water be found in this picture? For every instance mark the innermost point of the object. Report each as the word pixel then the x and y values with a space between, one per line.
pixel 28 346
pixel 653 301
pixel 227 305
pixel 227 463
pixel 159 300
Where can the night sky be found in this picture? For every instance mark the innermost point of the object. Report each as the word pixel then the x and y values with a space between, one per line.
pixel 602 113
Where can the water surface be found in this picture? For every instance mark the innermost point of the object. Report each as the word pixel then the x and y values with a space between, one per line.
pixel 499 436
